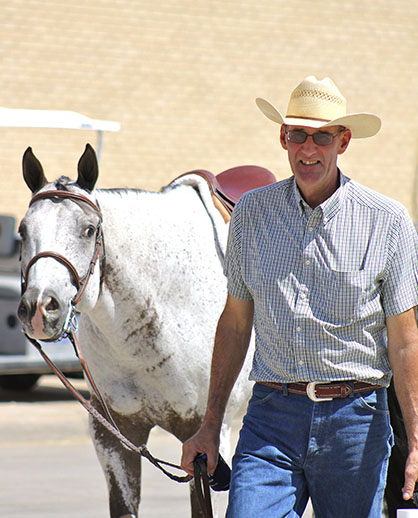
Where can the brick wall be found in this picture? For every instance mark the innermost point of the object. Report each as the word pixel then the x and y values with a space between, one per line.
pixel 181 77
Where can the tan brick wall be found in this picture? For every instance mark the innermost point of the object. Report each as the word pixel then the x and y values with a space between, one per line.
pixel 181 77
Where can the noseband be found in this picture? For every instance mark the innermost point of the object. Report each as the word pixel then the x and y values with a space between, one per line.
pixel 80 282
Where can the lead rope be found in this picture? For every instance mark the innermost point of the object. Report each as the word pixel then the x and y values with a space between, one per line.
pixel 201 478
pixel 73 338
pixel 110 426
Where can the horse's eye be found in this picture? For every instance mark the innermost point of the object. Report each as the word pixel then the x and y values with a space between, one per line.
pixel 89 232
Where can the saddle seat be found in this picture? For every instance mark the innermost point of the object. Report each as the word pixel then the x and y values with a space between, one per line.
pixel 228 187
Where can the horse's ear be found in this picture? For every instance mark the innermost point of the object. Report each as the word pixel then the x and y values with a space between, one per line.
pixel 88 169
pixel 33 173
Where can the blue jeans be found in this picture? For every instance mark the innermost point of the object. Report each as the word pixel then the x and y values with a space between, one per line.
pixel 290 449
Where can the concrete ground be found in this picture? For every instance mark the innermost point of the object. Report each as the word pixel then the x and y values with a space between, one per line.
pixel 49 469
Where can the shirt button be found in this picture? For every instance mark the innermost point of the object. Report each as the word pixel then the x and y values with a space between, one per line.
pixel 298 329
pixel 307 262
pixel 301 362
pixel 303 295
pixel 311 229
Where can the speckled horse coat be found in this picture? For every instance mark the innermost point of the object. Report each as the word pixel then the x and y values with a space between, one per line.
pixel 147 328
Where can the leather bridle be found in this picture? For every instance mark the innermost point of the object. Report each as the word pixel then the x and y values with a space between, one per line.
pixel 80 282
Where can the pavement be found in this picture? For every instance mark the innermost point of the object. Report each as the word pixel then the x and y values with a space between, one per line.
pixel 49 469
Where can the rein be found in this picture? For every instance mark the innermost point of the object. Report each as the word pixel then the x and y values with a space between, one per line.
pixel 69 330
pixel 201 479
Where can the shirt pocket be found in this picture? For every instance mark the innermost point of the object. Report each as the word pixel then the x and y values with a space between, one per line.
pixel 344 295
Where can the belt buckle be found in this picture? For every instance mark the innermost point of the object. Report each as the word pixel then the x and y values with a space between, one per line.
pixel 310 391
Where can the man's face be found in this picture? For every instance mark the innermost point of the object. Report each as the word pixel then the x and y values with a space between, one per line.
pixel 314 166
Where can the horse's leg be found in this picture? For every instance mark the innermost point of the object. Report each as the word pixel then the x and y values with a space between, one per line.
pixel 122 468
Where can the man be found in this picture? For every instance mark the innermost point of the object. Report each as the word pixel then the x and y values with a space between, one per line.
pixel 324 268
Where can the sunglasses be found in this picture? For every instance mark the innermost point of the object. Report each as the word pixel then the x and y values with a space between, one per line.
pixel 320 138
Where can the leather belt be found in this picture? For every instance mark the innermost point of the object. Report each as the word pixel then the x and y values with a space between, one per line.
pixel 323 391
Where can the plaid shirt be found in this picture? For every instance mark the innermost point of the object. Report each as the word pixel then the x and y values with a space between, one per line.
pixel 322 280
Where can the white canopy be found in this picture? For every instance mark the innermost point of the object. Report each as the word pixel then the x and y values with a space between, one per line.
pixel 58 119
pixel 18 118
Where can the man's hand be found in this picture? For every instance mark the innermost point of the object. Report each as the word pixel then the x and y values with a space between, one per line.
pixel 206 440
pixel 411 475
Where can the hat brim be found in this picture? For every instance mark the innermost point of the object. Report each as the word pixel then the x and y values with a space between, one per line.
pixel 362 125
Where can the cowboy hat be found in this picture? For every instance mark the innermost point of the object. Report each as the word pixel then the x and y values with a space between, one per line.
pixel 319 104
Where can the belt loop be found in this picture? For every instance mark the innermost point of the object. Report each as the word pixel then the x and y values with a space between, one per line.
pixel 351 383
pixel 284 389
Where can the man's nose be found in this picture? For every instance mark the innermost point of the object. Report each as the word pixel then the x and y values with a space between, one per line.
pixel 309 144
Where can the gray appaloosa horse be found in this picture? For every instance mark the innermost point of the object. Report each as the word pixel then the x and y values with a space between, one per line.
pixel 147 314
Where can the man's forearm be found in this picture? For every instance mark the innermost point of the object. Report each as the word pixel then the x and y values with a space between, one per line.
pixel 231 345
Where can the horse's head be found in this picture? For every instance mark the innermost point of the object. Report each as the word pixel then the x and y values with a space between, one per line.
pixel 61 240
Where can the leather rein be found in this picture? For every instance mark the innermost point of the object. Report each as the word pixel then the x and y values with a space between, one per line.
pixel 70 328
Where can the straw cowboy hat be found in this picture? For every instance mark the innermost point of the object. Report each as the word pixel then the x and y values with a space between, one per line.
pixel 319 104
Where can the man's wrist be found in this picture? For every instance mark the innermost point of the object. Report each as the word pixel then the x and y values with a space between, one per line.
pixel 213 420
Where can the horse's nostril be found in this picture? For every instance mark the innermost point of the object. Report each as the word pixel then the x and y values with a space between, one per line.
pixel 51 305
pixel 22 311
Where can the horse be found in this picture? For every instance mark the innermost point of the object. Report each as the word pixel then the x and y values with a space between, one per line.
pixel 148 306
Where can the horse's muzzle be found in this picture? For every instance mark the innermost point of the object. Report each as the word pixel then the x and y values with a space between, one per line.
pixel 42 314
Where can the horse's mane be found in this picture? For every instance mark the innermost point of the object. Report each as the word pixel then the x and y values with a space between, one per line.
pixel 127 190
pixel 63 183
pixel 122 190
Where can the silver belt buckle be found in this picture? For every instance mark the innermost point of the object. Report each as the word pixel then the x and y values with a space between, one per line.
pixel 310 391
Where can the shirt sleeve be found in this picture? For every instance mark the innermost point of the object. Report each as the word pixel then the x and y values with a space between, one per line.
pixel 233 266
pixel 400 290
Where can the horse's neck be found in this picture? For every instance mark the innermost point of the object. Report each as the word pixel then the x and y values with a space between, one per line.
pixel 149 226
pixel 156 247
pixel 162 293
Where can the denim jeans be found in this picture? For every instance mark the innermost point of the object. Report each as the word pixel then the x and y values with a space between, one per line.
pixel 290 448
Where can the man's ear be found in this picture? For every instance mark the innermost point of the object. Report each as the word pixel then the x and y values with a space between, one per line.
pixel 283 140
pixel 344 141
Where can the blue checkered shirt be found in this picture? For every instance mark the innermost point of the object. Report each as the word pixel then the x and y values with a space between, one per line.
pixel 322 280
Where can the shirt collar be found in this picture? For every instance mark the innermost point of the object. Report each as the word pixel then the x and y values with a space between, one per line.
pixel 329 207
pixel 333 204
pixel 300 202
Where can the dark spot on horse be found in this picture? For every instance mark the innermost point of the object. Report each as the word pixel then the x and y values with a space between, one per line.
pixel 132 334
pixel 180 426
pixel 159 365
pixel 111 276
pixel 148 322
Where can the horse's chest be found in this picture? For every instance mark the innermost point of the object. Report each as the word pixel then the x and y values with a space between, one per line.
pixel 145 380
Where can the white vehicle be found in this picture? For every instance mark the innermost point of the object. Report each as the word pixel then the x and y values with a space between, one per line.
pixel 21 365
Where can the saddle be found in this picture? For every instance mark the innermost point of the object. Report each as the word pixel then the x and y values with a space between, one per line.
pixel 228 187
